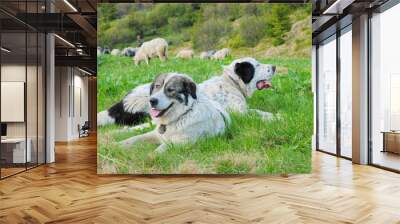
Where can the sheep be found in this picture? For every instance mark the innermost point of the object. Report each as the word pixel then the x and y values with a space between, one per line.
pixel 128 52
pixel 106 50
pixel 207 54
pixel 185 54
pixel 115 52
pixel 157 47
pixel 221 54
pixel 99 51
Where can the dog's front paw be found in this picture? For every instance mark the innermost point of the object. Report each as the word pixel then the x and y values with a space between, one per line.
pixel 267 116
pixel 141 127
pixel 128 141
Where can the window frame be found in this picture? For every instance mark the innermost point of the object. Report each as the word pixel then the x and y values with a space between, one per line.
pixel 346 23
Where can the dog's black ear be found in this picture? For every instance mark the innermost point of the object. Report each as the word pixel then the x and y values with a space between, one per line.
pixel 245 71
pixel 190 88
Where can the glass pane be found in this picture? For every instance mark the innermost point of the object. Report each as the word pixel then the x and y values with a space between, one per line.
pixel 32 98
pixel 346 94
pixel 385 86
pixel 22 88
pixel 13 89
pixel 41 99
pixel 327 96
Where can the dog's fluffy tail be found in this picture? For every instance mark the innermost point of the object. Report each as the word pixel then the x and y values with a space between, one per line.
pixel 131 110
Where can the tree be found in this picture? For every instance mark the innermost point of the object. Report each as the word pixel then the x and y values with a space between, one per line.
pixel 278 23
pixel 107 12
pixel 251 30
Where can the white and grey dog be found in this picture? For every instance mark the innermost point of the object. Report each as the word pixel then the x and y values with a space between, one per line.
pixel 181 111
pixel 239 80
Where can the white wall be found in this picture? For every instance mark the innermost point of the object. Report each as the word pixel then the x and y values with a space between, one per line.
pixel 62 81
pixel 81 83
pixel 10 73
pixel 71 87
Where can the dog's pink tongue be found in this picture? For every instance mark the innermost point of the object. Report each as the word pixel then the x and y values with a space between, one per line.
pixel 154 112
pixel 263 85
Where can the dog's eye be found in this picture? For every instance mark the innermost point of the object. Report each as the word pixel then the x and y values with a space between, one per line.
pixel 157 86
pixel 170 90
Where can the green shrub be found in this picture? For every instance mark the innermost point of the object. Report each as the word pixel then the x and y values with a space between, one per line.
pixel 277 41
pixel 236 42
pixel 176 15
pixel 223 11
pixel 251 30
pixel 107 12
pixel 206 35
pixel 252 9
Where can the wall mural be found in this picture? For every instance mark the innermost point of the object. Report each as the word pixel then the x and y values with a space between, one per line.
pixel 204 88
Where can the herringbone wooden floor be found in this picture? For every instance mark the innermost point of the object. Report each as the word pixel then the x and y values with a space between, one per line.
pixel 69 191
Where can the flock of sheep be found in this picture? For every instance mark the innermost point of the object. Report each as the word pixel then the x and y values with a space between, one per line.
pixel 158 47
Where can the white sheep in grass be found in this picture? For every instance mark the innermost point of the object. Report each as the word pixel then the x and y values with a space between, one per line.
pixel 115 52
pixel 128 52
pixel 157 47
pixel 221 54
pixel 207 54
pixel 186 53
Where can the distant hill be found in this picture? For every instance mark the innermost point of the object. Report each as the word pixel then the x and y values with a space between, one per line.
pixel 249 29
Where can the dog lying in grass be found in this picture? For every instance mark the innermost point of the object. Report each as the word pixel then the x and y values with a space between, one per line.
pixel 182 113
pixel 239 81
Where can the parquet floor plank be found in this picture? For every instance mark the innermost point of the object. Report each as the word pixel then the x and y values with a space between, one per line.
pixel 70 191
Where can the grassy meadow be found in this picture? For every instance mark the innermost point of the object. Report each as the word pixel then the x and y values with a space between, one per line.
pixel 250 145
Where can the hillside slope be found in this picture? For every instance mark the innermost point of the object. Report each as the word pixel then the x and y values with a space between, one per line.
pixel 263 30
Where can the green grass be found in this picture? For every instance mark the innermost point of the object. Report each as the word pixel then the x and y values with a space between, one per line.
pixel 250 145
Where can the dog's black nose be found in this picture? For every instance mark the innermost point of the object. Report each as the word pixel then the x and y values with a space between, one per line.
pixel 153 102
pixel 273 68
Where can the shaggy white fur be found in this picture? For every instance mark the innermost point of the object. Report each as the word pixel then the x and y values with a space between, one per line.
pixel 103 118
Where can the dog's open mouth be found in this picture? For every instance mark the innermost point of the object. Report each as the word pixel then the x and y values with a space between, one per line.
pixel 158 113
pixel 263 84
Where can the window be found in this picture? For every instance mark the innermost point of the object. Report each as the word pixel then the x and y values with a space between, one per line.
pixel 346 92
pixel 22 77
pixel 385 89
pixel 327 95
